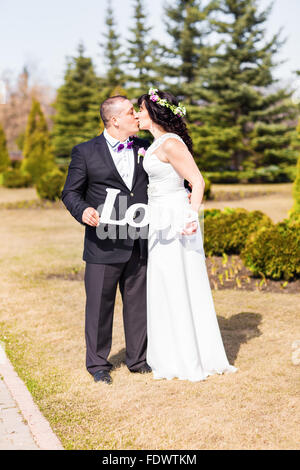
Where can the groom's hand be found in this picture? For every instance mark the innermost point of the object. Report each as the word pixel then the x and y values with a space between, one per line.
pixel 91 217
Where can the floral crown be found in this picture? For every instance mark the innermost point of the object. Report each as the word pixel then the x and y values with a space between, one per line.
pixel 178 110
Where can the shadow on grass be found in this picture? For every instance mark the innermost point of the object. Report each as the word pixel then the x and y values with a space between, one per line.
pixel 236 330
pixel 118 359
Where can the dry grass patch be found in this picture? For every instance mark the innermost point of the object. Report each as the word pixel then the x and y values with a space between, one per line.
pixel 17 194
pixel 279 188
pixel 276 205
pixel 42 322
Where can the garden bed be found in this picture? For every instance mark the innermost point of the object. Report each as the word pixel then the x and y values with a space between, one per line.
pixel 226 272
pixel 229 272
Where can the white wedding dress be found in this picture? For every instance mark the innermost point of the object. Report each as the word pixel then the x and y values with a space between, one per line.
pixel 184 339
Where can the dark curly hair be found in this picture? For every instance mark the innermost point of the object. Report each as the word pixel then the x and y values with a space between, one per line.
pixel 165 118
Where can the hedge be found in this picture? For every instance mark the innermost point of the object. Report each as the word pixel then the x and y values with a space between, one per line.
pixel 227 231
pixel 14 178
pixel 51 184
pixel 274 251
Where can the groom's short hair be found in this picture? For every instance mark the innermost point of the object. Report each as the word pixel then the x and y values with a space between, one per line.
pixel 109 107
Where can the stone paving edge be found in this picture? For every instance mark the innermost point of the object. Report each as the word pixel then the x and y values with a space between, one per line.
pixel 37 423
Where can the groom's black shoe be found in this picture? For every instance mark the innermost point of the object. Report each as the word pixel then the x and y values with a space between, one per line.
pixel 103 376
pixel 144 369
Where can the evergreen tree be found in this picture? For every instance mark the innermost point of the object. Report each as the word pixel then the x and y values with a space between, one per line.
pixel 113 54
pixel 188 24
pixel 38 154
pixel 77 105
pixel 252 125
pixel 140 58
pixel 4 156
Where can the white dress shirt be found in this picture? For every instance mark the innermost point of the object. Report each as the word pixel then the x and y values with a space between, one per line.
pixel 123 160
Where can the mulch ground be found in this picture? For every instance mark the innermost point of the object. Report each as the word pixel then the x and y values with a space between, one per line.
pixel 227 272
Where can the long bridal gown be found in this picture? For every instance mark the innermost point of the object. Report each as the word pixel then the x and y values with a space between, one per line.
pixel 184 339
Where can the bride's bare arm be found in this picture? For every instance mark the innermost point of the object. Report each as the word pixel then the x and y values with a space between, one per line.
pixel 181 159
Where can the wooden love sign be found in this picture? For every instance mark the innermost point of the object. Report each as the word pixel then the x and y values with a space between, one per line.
pixel 108 208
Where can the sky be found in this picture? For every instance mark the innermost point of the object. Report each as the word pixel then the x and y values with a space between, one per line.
pixel 43 33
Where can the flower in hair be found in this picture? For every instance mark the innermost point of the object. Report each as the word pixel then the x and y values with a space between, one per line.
pixel 154 98
pixel 177 110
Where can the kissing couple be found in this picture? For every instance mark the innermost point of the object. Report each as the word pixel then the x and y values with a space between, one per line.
pixel 170 323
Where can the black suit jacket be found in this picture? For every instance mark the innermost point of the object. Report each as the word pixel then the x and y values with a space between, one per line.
pixel 90 172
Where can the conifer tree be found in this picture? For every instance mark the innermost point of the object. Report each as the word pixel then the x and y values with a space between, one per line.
pixel 38 155
pixel 4 156
pixel 113 53
pixel 242 123
pixel 188 24
pixel 77 105
pixel 140 59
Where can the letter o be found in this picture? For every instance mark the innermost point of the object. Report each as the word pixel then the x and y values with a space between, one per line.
pixel 130 212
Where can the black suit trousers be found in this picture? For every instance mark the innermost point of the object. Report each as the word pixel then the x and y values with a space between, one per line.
pixel 101 282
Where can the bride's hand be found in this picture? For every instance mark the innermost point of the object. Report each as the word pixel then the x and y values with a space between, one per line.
pixel 190 228
pixel 190 194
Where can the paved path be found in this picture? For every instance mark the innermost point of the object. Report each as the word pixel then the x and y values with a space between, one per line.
pixel 22 426
pixel 14 433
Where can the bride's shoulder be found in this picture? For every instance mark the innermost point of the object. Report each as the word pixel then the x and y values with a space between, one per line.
pixel 172 140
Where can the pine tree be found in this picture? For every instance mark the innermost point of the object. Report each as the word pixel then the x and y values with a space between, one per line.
pixel 77 105
pixel 4 156
pixel 253 125
pixel 187 23
pixel 140 60
pixel 113 53
pixel 38 154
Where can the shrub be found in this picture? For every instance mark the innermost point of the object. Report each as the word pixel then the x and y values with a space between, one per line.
pixel 227 231
pixel 14 178
pixel 207 190
pixel 38 153
pixel 291 172
pixel 51 184
pixel 274 251
pixel 4 156
pixel 212 213
pixel 269 174
pixel 16 164
pixel 223 176
pixel 296 192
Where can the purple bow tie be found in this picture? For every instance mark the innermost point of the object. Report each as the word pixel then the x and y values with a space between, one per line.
pixel 122 146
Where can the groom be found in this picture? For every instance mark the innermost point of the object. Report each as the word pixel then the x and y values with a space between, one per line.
pixel 111 161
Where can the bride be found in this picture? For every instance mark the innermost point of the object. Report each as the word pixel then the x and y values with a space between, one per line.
pixel 184 339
